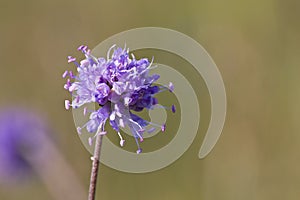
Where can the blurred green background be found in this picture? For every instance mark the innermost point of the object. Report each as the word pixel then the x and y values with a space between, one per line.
pixel 254 43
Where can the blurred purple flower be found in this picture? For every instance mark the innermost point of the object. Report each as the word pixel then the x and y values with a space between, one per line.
pixel 120 84
pixel 22 135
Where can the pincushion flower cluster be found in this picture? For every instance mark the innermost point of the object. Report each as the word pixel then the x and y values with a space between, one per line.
pixel 119 84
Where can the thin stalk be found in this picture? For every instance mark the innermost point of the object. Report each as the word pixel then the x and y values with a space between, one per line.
pixel 95 167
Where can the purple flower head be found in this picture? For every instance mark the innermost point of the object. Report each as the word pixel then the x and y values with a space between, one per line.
pixel 22 137
pixel 120 84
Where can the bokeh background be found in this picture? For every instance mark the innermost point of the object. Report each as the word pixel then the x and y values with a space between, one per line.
pixel 254 43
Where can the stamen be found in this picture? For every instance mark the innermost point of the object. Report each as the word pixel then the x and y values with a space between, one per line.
pixel 133 57
pixel 121 122
pixel 82 48
pixel 77 65
pixel 136 123
pixel 171 87
pixel 84 63
pixel 72 87
pixel 173 108
pixel 122 143
pixel 127 101
pixel 121 139
pixel 77 99
pixel 112 116
pixel 65 74
pixel 118 114
pixel 138 134
pixel 138 145
pixel 84 111
pixel 71 74
pixel 67 85
pixel 139 151
pixel 147 68
pixel 67 104
pixel 71 59
pixel 163 127
pixel 108 53
pixel 88 52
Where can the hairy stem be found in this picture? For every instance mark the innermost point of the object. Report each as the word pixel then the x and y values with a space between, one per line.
pixel 95 167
